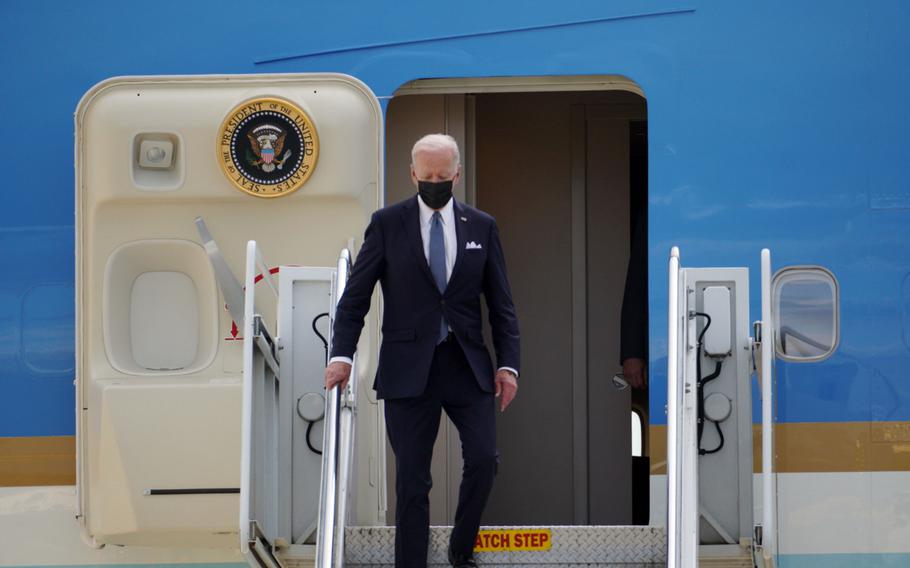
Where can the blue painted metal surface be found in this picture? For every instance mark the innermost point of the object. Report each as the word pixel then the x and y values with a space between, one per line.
pixel 771 124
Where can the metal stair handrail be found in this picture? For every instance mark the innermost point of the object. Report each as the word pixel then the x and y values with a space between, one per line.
pixel 337 448
pixel 258 342
pixel 673 365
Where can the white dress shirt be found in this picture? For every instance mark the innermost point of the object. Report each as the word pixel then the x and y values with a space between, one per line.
pixel 451 246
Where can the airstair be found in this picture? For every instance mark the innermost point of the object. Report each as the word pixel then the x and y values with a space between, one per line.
pixel 268 544
pixel 265 539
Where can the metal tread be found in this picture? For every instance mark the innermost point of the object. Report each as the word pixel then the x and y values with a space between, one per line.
pixel 572 546
pixel 297 556
pixel 725 556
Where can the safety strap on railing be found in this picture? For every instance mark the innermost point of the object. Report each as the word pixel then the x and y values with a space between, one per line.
pixel 337 449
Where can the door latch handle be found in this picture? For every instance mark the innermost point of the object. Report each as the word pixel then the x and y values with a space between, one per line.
pixel 620 382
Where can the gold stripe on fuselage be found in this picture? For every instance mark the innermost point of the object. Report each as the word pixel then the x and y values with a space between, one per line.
pixel 800 447
pixel 818 447
pixel 42 460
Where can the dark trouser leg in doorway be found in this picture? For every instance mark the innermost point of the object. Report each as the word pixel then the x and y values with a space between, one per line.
pixel 473 413
pixel 412 424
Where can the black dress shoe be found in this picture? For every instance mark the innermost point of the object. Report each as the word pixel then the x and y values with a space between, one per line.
pixel 461 561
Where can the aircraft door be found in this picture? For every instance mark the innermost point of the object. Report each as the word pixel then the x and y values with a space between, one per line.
pixel 165 167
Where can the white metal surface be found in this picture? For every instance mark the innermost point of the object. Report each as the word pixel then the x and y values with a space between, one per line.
pixel 519 84
pixel 246 462
pixel 724 475
pixel 305 295
pixel 256 555
pixel 769 536
pixel 231 290
pixel 687 401
pixel 345 432
pixel 862 512
pixel 682 444
pixel 346 426
pixel 337 448
pixel 673 480
pixel 717 407
pixel 718 338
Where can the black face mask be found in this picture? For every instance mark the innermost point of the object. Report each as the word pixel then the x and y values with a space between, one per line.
pixel 435 193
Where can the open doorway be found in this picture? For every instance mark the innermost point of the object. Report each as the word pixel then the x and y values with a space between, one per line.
pixel 565 175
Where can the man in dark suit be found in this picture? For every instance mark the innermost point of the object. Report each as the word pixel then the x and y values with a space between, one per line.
pixel 633 349
pixel 434 257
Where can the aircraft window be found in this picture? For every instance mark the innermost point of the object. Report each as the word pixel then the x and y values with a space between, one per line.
pixel 636 434
pixel 47 329
pixel 805 307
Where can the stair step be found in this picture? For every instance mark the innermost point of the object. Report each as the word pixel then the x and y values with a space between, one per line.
pixel 297 556
pixel 592 546
pixel 725 556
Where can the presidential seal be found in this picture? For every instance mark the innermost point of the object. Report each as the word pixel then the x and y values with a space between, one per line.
pixel 267 147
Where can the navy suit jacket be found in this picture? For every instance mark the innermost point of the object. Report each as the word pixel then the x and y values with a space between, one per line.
pixel 392 254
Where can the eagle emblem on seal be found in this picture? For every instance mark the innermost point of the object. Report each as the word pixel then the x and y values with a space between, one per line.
pixel 267 143
pixel 267 147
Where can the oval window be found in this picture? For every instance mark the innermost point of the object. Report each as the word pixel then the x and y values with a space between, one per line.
pixel 805 309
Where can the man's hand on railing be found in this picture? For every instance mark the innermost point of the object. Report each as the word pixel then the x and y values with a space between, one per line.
pixel 337 373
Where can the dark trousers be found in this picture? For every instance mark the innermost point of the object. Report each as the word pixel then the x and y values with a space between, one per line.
pixel 412 425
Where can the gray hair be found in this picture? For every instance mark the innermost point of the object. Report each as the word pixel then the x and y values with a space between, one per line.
pixel 433 142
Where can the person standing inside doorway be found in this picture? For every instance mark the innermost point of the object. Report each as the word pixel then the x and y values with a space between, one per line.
pixel 434 257
pixel 634 319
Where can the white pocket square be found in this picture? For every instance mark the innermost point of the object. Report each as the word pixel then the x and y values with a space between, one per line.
pixel 473 246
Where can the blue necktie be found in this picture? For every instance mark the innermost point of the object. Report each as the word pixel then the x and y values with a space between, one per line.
pixel 438 265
